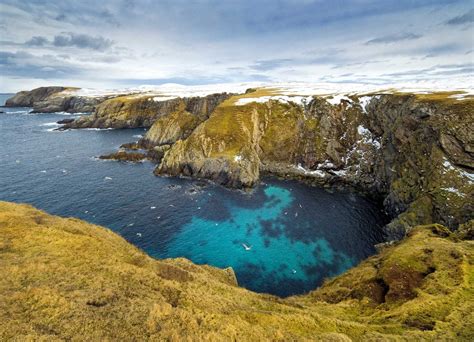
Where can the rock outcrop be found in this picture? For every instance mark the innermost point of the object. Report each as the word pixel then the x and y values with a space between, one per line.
pixel 30 98
pixel 68 103
pixel 142 111
pixel 55 99
pixel 65 279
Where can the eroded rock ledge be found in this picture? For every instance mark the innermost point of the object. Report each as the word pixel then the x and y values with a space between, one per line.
pixel 65 279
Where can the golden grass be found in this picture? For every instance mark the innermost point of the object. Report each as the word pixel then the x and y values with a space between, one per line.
pixel 65 279
pixel 259 92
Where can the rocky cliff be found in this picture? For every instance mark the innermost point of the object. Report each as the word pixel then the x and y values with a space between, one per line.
pixel 55 99
pixel 142 111
pixel 413 151
pixel 65 279
pixel 29 98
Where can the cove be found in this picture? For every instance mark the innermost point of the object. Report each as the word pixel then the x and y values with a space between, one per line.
pixel 284 238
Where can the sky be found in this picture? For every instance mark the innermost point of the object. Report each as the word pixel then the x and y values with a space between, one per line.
pixel 127 43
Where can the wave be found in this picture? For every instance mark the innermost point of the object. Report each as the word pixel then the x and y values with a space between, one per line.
pixel 96 129
pixel 17 112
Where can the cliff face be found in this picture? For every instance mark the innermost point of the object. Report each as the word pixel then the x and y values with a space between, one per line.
pixel 415 151
pixel 54 99
pixel 69 104
pixel 142 111
pixel 29 98
pixel 65 279
pixel 425 163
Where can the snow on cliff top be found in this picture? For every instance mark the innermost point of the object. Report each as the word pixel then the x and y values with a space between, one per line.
pixel 171 90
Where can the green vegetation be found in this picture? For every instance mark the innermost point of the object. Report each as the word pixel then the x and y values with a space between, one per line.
pixel 65 279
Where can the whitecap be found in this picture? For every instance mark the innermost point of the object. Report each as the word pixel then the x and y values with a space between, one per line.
pixel 17 112
pixel 96 129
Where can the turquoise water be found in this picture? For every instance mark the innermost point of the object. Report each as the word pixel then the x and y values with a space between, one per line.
pixel 295 235
pixel 256 241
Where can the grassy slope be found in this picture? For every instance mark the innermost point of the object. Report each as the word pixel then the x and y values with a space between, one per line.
pixel 67 279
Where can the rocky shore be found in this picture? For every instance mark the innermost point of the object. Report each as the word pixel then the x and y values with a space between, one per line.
pixel 414 152
pixel 65 279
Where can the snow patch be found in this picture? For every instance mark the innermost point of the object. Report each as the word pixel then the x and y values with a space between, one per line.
pixel 300 100
pixel 164 98
pixel 318 173
pixel 367 137
pixel 465 174
pixel 340 173
pixel 454 191
pixel 459 97
pixel 365 100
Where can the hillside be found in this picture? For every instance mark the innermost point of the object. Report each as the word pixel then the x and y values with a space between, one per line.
pixel 65 279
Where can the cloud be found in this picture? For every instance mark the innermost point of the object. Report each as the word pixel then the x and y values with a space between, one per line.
pixel 465 18
pixel 443 49
pixel 82 41
pixel 70 39
pixel 393 38
pixel 116 41
pixel 270 64
pixel 436 70
pixel 37 41
pixel 23 64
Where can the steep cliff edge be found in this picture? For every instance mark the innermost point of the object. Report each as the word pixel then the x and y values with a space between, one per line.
pixel 55 99
pixel 65 279
pixel 142 110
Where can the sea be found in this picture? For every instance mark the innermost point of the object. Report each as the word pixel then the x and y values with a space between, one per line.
pixel 283 238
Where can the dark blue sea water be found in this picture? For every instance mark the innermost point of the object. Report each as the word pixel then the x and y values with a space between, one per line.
pixel 284 238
